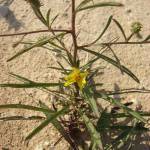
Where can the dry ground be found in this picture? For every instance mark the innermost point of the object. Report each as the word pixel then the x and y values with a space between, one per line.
pixel 18 17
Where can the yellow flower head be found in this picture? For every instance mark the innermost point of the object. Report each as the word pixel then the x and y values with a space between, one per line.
pixel 76 76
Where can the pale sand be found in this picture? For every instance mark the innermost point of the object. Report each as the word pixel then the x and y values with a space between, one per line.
pixel 33 64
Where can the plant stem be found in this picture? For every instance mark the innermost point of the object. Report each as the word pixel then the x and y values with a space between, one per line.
pixel 73 32
pixel 116 43
pixel 131 35
pixel 33 32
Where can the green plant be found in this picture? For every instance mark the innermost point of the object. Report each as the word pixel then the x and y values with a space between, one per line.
pixel 76 94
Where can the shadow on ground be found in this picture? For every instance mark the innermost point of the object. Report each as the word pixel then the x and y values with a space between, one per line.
pixel 7 14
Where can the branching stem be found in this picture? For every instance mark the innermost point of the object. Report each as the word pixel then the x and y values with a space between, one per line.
pixel 33 32
pixel 116 43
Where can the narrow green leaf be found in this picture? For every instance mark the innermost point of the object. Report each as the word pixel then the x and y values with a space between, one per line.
pixel 62 131
pixel 95 136
pixel 83 3
pixel 30 85
pixel 116 102
pixel 92 146
pixel 56 50
pixel 60 69
pixel 56 45
pixel 31 46
pixel 58 126
pixel 92 74
pixel 48 17
pixel 45 123
pixel 104 30
pixel 122 139
pixel 35 3
pixel 122 115
pixel 66 59
pixel 96 84
pixel 53 20
pixel 104 121
pixel 39 43
pixel 21 106
pixel 20 78
pixel 88 65
pixel 117 59
pixel 56 68
pixel 88 95
pixel 15 118
pixel 101 4
pixel 124 136
pixel 136 128
pixel 121 29
pixel 39 15
pixel 113 62
pixel 27 81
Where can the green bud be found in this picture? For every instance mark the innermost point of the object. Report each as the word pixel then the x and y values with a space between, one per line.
pixel 136 27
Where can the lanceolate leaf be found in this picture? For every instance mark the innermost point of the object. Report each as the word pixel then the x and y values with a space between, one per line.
pixel 104 30
pixel 95 136
pixel 124 136
pixel 48 17
pixel 35 4
pixel 14 118
pixel 31 46
pixel 113 62
pixel 101 4
pixel 104 121
pixel 89 98
pixel 121 29
pixel 62 67
pixel 46 122
pixel 57 68
pixel 83 3
pixel 30 85
pixel 135 129
pixel 43 88
pixel 117 59
pixel 53 20
pixel 58 126
pixel 20 78
pixel 62 131
pixel 124 115
pixel 116 102
pixel 28 107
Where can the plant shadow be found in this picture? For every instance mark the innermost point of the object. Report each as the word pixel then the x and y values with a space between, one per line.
pixel 9 16
pixel 141 140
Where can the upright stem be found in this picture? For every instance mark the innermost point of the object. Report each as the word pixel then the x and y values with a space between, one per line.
pixel 74 32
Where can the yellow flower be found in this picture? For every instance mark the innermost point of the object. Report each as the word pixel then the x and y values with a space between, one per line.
pixel 76 76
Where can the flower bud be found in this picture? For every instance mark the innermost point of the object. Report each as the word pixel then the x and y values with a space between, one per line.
pixel 136 27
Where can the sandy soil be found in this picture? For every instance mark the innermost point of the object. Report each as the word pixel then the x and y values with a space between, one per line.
pixel 18 17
